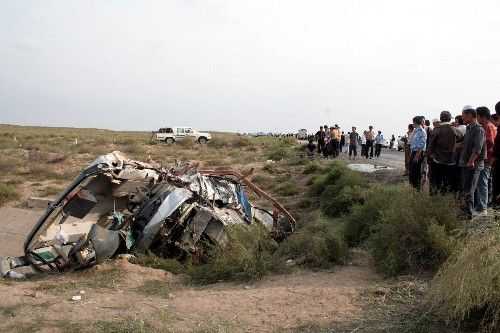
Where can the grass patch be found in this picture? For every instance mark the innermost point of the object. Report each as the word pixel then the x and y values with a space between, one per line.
pixel 287 188
pixel 154 288
pixel 337 189
pixel 10 310
pixel 467 288
pixel 123 326
pixel 153 261
pixel 91 279
pixel 49 190
pixel 7 193
pixel 247 255
pixel 318 244
pixel 312 168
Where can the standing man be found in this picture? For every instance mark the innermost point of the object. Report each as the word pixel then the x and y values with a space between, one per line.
pixel 482 197
pixel 417 149
pixel 364 151
pixel 320 137
pixel 353 143
pixel 379 141
pixel 407 141
pixel 472 157
pixel 326 148
pixel 496 162
pixel 370 139
pixel 441 154
pixel 393 140
pixel 342 142
pixel 335 136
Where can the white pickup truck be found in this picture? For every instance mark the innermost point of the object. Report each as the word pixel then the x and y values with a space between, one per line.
pixel 172 134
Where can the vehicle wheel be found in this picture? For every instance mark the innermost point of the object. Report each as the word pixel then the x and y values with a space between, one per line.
pixel 169 141
pixel 202 140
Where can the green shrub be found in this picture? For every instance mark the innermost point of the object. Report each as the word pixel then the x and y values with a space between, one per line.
pixel 318 244
pixel 338 189
pixel 218 142
pixel 312 168
pixel 338 175
pixel 7 193
pixel 468 285
pixel 241 141
pixel 413 233
pixel 335 201
pixel 247 255
pixel 287 188
pixel 187 142
pixel 153 261
pixel 278 153
pixel 364 216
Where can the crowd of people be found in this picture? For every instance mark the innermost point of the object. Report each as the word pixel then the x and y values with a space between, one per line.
pixel 331 141
pixel 457 155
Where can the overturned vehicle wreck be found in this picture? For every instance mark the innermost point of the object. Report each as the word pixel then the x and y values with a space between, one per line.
pixel 117 206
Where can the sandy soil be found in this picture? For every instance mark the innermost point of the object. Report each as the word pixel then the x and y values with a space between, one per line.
pixel 276 302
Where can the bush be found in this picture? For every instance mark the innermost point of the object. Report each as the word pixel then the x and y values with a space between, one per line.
pixel 247 255
pixel 7 193
pixel 468 284
pixel 364 216
pixel 312 168
pixel 153 261
pixel 287 188
pixel 338 189
pixel 412 233
pixel 335 201
pixel 318 244
pixel 278 153
pixel 218 142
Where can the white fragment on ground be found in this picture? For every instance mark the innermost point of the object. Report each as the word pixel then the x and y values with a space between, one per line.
pixel 76 298
pixel 367 168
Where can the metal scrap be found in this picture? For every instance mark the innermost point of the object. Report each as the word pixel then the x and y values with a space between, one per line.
pixel 117 205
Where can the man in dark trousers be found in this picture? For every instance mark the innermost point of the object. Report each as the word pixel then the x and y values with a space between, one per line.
pixel 472 157
pixel 418 145
pixel 441 154
pixel 496 159
pixel 370 140
pixel 353 143
pixel 320 137
pixel 482 197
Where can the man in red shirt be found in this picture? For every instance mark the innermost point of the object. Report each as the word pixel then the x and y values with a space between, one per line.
pixel 483 195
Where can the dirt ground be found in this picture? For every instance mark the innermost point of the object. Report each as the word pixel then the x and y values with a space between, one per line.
pixel 116 292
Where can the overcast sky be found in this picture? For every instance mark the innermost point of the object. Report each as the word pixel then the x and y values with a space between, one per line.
pixel 244 65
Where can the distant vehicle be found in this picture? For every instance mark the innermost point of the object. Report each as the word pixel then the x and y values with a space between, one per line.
pixel 173 134
pixel 302 134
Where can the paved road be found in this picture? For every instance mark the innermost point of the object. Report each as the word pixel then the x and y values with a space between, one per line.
pixel 390 158
pixel 16 223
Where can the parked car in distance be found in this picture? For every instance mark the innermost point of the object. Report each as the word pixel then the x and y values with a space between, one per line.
pixel 173 134
pixel 302 134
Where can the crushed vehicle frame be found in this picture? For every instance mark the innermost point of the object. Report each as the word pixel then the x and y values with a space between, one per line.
pixel 117 205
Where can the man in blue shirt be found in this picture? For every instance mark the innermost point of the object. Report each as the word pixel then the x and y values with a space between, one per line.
pixel 418 145
pixel 379 142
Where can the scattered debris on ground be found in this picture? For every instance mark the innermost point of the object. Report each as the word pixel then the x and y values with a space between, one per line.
pixel 367 168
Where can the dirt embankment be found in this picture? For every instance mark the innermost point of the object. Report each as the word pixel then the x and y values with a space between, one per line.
pixel 122 291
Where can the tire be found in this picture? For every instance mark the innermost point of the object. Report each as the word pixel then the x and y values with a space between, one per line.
pixel 202 140
pixel 169 141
